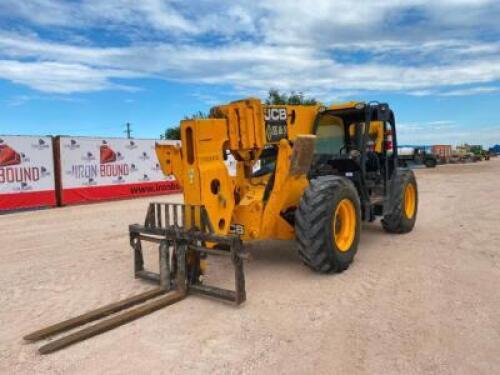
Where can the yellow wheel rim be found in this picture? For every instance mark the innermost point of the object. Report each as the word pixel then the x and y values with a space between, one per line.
pixel 410 200
pixel 344 224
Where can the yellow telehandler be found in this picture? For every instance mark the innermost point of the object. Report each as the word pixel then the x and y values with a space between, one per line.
pixel 310 173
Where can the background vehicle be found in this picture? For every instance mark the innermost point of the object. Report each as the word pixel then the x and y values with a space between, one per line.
pixel 416 156
pixel 479 152
pixel 442 153
pixel 494 150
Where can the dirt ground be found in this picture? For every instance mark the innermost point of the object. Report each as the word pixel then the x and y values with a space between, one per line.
pixel 425 302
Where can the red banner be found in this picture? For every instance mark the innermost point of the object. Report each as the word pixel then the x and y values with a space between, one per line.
pixel 97 169
pixel 101 193
pixel 35 199
pixel 26 172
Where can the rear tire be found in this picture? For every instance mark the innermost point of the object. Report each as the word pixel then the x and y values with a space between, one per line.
pixel 328 224
pixel 405 204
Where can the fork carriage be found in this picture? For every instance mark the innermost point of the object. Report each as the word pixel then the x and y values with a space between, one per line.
pixel 184 235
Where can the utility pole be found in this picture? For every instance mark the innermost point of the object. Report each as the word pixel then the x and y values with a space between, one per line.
pixel 128 130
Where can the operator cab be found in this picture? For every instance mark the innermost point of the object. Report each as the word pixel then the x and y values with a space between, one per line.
pixel 346 146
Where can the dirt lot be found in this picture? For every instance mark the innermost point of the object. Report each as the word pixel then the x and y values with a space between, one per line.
pixel 426 302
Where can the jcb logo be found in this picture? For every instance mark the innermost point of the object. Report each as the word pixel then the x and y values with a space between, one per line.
pixel 275 114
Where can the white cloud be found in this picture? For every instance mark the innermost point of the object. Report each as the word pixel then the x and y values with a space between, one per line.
pixel 43 12
pixel 466 91
pixel 253 46
pixel 18 100
pixel 245 64
pixel 61 78
pixel 471 91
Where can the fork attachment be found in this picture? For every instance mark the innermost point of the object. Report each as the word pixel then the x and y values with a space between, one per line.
pixel 184 235
pixel 186 229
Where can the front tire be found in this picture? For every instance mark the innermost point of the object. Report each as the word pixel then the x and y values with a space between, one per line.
pixel 328 224
pixel 404 198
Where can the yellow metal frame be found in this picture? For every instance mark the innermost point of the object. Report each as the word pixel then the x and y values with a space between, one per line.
pixel 238 128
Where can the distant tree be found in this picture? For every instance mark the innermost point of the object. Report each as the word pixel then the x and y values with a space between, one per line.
pixel 174 132
pixel 275 97
pixel 197 116
pixel 295 98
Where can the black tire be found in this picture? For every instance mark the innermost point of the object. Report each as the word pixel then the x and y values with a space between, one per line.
pixel 314 220
pixel 431 163
pixel 398 221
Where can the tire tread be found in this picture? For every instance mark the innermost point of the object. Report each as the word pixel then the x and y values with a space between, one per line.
pixel 311 219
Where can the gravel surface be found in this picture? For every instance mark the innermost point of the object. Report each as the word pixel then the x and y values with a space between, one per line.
pixel 425 302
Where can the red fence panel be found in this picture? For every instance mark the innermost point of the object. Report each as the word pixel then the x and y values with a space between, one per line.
pixel 26 172
pixel 96 169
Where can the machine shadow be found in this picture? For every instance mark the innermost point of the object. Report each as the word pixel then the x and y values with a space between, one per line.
pixel 282 253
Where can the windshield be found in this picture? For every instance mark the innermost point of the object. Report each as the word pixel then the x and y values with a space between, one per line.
pixel 330 135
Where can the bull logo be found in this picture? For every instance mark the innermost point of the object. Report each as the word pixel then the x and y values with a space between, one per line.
pixel 131 145
pixel 107 154
pixel 8 156
pixel 88 156
pixel 72 145
pixel 144 156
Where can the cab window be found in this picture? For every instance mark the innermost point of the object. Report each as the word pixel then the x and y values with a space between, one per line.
pixel 330 136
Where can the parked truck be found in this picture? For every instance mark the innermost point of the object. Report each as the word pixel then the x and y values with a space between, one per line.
pixel 442 153
pixel 479 152
pixel 410 155
pixel 494 150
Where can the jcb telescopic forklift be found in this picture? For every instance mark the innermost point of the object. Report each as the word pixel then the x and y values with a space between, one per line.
pixel 323 170
pixel 310 173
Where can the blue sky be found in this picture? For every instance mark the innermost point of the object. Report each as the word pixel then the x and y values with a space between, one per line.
pixel 88 67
